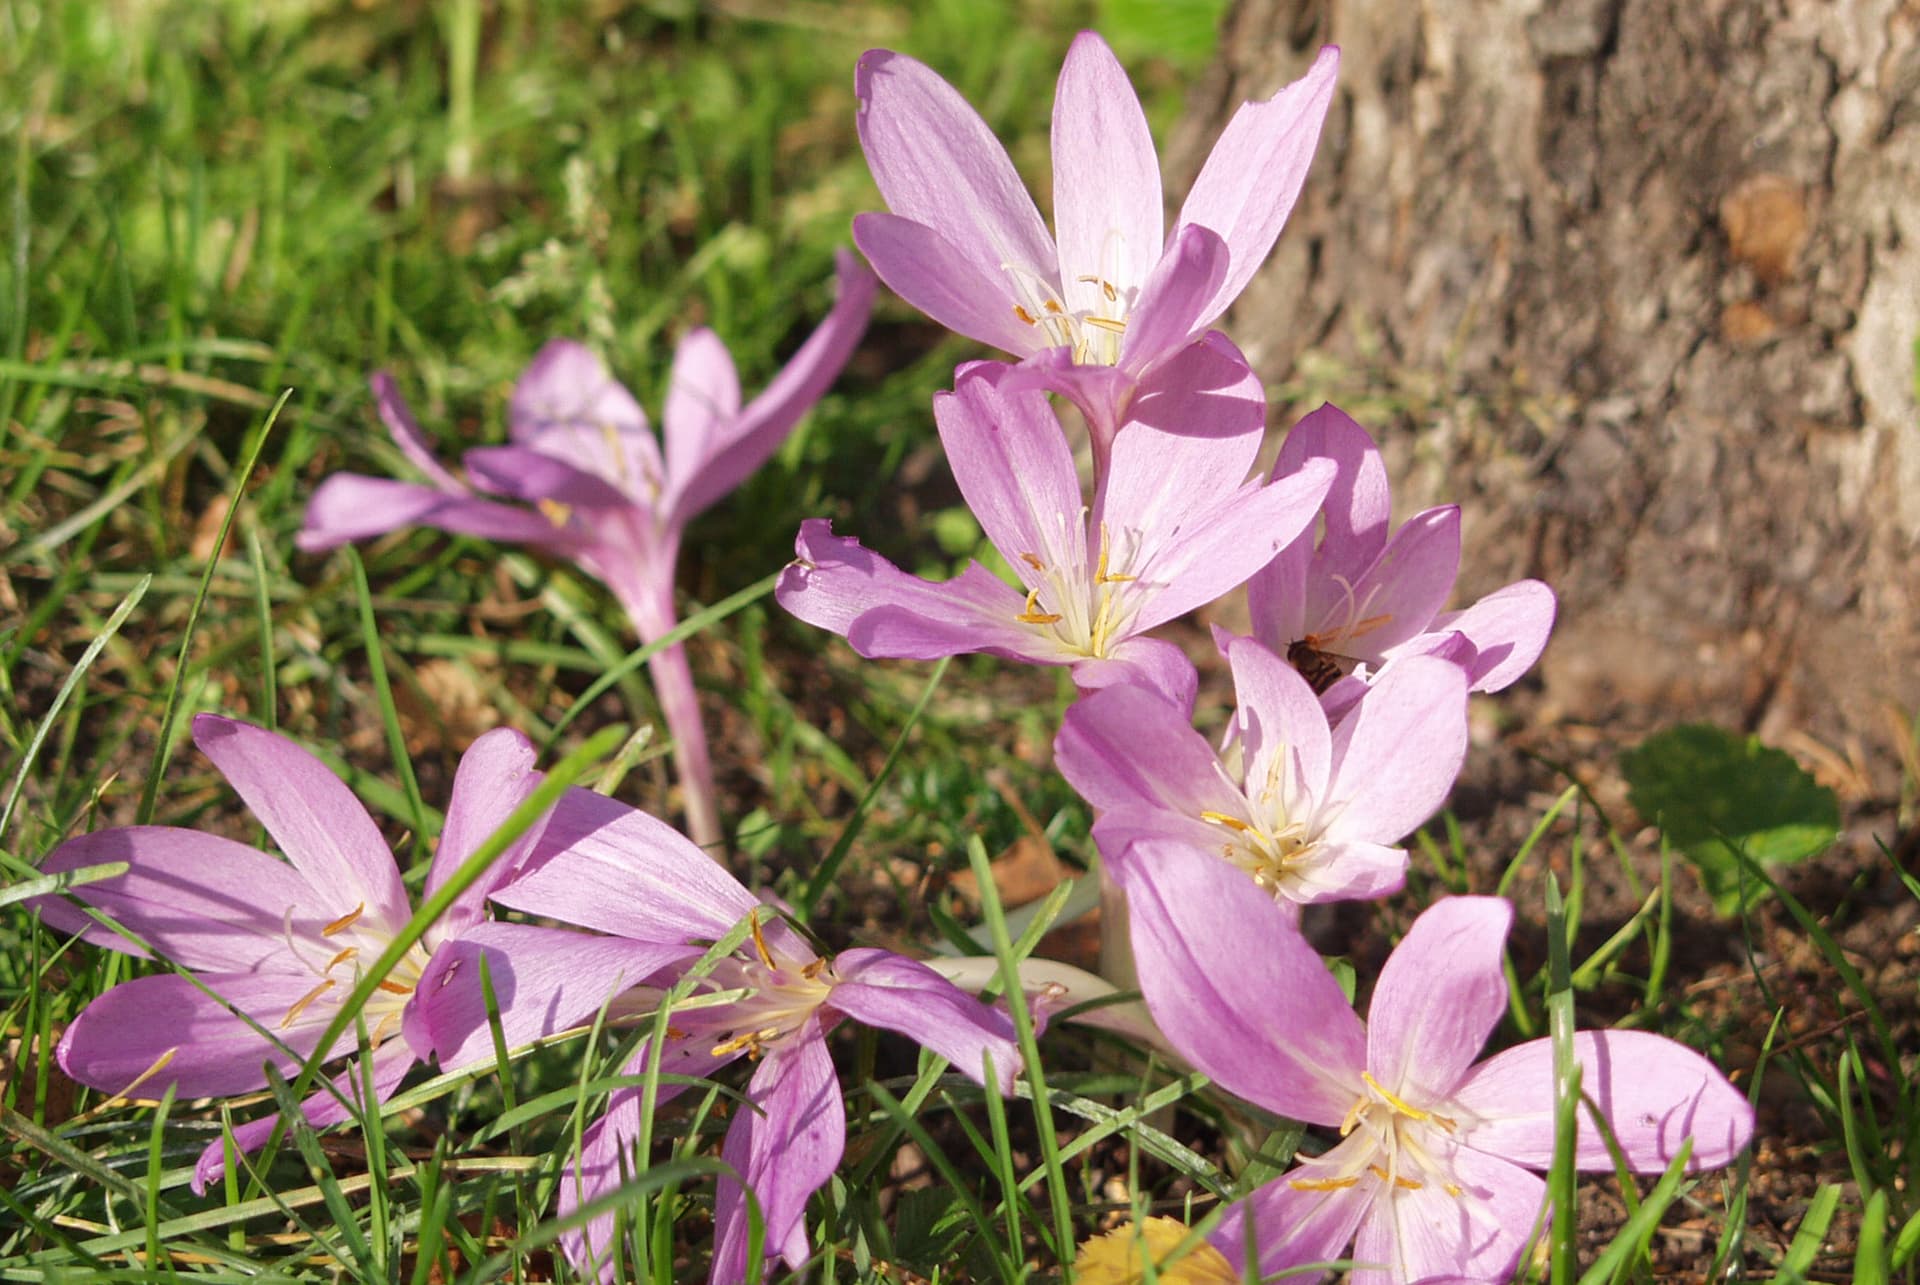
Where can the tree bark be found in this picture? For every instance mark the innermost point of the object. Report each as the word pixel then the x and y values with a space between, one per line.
pixel 1636 282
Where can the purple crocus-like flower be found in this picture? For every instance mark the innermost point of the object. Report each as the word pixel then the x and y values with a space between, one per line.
pixel 1343 605
pixel 278 945
pixel 1092 313
pixel 607 867
pixel 1431 1176
pixel 1308 811
pixel 585 480
pixel 1173 526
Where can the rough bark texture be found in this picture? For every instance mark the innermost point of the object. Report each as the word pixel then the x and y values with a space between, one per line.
pixel 1638 283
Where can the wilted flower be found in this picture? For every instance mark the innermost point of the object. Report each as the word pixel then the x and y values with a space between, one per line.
pixel 597 488
pixel 1095 312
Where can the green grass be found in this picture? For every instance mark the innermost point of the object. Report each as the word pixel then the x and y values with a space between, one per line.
pixel 219 218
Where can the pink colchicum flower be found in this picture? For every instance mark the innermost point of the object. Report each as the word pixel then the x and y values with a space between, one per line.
pixel 1345 603
pixel 1173 526
pixel 601 493
pixel 607 867
pixel 1309 812
pixel 1431 1178
pixel 1094 312
pixel 282 943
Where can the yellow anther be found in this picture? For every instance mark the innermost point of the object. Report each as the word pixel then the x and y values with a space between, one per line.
pixel 305 1000
pixel 1025 316
pixel 1406 1184
pixel 1033 560
pixel 1033 615
pixel 340 959
pixel 813 970
pixel 1452 1189
pixel 1321 1184
pixel 1053 306
pixel 379 1033
pixel 1107 324
pixel 554 511
pixel 345 921
pixel 394 988
pixel 760 943
pixel 1231 822
pixel 1404 1108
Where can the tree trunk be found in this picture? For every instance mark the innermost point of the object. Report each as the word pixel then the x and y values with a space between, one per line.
pixel 1636 282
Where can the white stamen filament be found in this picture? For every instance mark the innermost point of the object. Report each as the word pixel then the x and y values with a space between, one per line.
pixel 781 994
pixel 1086 610
pixel 1394 1144
pixel 349 940
pixel 1094 334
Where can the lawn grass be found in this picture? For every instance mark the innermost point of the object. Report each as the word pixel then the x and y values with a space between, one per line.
pixel 221 217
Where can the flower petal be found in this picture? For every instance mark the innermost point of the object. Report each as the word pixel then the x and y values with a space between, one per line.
pixel 1428 1234
pixel 1126 746
pixel 545 980
pixel 785 1150
pixel 311 814
pixel 1152 663
pixel 1359 508
pixel 1014 469
pixel 703 399
pixel 1348 872
pixel 567 386
pixel 603 865
pixel 569 467
pixel 1508 629
pixel 1236 988
pixel 495 776
pixel 1172 305
pixel 391 1062
pixel 398 417
pixel 349 506
pixel 1654 1094
pixel 702 471
pixel 1106 180
pixel 1283 729
pixel 1291 1228
pixel 1439 996
pixel 936 163
pixel 895 993
pixel 1397 597
pixel 200 900
pixel 1250 180
pixel 208 1051
pixel 1396 754
pixel 966 296
pixel 835 584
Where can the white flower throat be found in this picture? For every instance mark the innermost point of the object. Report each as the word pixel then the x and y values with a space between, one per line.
pixel 1281 830
pixel 1084 609
pixel 1387 1138
pixel 1094 334
pixel 353 945
pixel 781 995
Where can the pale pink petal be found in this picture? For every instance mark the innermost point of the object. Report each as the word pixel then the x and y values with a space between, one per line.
pixel 1359 505
pixel 603 865
pixel 1190 437
pixel 1291 1228
pixel 1348 871
pixel 1508 629
pixel 1427 1233
pixel 1104 394
pixel 702 472
pixel 1397 753
pixel 1125 746
pixel 606 1154
pixel 1439 996
pixel 786 1146
pixel 703 398
pixel 1251 179
pixel 391 1062
pixel 835 584
pixel 494 777
pixel 1283 731
pixel 1654 1093
pixel 966 296
pixel 1153 663
pixel 1106 178
pixel 348 506
pixel 311 815
pixel 938 164
pixel 1394 599
pixel 545 980
pixel 583 478
pixel 1014 468
pixel 209 1052
pixel 880 988
pixel 398 417
pixel 1237 989
pixel 1172 305
pixel 567 386
pixel 201 901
